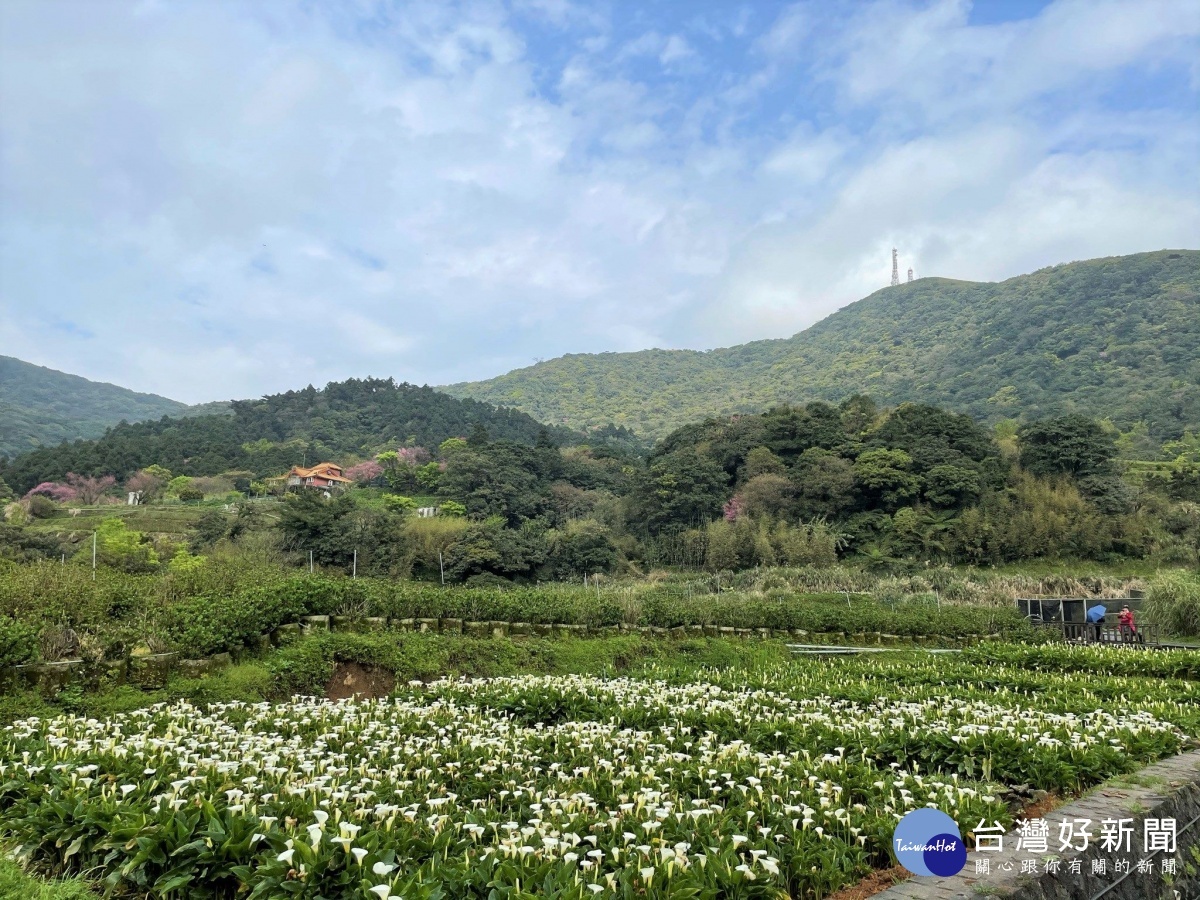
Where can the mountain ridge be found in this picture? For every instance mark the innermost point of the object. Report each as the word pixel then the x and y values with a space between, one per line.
pixel 1115 336
pixel 43 407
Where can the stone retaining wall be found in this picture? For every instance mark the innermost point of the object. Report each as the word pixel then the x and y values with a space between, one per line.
pixel 1169 789
pixel 151 671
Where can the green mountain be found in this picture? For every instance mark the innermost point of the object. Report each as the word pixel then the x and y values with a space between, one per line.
pixel 353 418
pixel 41 407
pixel 1116 338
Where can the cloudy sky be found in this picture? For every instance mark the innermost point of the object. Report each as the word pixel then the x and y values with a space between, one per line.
pixel 212 199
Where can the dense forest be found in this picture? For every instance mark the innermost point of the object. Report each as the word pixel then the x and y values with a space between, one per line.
pixel 914 485
pixel 1117 338
pixel 40 407
pixel 264 437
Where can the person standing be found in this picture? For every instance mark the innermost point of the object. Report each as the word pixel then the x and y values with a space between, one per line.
pixel 1128 628
pixel 1095 616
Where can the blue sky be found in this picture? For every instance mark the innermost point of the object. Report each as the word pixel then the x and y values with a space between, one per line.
pixel 223 199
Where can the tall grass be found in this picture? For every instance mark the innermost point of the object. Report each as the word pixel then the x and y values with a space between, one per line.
pixel 1173 603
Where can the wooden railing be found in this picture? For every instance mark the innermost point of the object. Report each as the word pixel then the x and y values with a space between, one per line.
pixel 1140 636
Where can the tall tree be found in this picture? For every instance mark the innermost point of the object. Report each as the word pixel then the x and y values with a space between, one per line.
pixel 1067 445
pixel 681 489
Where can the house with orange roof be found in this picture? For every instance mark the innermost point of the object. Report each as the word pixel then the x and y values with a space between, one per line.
pixel 325 476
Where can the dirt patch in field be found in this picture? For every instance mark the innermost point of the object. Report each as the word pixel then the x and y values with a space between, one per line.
pixel 1039 808
pixel 355 681
pixel 878 881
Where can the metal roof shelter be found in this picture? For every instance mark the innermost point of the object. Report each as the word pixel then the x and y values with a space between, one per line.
pixel 1053 609
pixel 1070 609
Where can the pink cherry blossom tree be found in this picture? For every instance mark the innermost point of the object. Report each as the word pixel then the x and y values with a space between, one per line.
pixel 364 472
pixel 735 508
pixel 59 493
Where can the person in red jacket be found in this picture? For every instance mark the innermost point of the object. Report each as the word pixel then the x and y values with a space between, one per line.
pixel 1128 629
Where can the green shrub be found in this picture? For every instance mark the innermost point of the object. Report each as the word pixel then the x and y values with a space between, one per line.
pixel 246 682
pixel 226 602
pixel 46 592
pixel 41 507
pixel 398 503
pixel 22 705
pixel 202 626
pixel 18 642
pixel 119 546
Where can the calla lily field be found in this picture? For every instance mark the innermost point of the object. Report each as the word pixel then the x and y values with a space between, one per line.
pixel 677 782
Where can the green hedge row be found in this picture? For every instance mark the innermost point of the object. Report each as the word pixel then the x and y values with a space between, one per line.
pixel 741 611
pixel 551 604
pixel 220 609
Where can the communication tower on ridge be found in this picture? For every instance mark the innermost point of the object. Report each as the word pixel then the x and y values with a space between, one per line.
pixel 895 268
pixel 910 273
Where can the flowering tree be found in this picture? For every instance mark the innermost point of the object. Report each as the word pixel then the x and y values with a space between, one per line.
pixel 364 472
pixel 88 488
pixel 412 456
pixel 59 493
pixel 735 508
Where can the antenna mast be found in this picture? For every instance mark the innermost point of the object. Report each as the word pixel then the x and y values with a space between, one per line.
pixel 910 273
pixel 895 268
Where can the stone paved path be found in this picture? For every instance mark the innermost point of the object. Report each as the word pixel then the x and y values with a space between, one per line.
pixel 1169 788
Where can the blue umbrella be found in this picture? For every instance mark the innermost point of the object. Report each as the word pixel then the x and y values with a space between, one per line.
pixel 1096 613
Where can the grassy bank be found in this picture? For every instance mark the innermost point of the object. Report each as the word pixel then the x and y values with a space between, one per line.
pixel 306 667
pixel 17 884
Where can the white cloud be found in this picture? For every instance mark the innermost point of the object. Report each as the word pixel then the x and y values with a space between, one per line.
pixel 978 205
pixel 807 158
pixel 234 199
pixel 675 50
pixel 936 65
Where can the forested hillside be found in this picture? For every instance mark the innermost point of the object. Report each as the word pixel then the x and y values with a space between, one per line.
pixel 796 486
pixel 1116 338
pixel 268 435
pixel 40 407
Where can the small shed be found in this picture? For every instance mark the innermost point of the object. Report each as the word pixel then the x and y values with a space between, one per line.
pixel 1054 609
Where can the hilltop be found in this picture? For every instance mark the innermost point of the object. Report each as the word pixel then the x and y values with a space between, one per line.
pixel 1117 337
pixel 353 418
